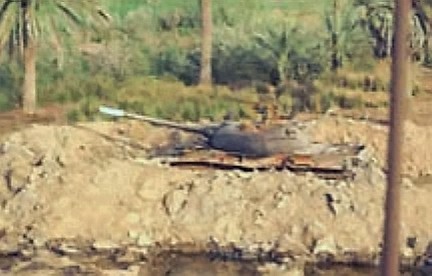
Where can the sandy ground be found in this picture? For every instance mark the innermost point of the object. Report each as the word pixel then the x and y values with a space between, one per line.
pixel 93 183
pixel 416 154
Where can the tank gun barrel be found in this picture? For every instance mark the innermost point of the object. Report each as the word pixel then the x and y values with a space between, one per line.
pixel 115 112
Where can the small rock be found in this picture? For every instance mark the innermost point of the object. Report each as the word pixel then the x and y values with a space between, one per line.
pixel 147 161
pixel 293 245
pixel 16 179
pixel 132 270
pixel 244 175
pixel 132 218
pixel 342 185
pixel 407 183
pixel 61 160
pixel 332 203
pixel 68 249
pixel 286 187
pixel 150 191
pixel 232 174
pixel 39 242
pixel 28 252
pixel 104 245
pixel 376 176
pixel 144 240
pixel 258 216
pixel 175 201
pixel 128 257
pixel 408 253
pixel 325 246
pixel 233 232
pixel 365 156
pixel 276 269
pixel 411 242
pixel 4 147
pixel 37 238
pixel 133 234
pixel 281 199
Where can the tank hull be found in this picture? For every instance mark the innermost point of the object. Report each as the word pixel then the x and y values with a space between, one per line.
pixel 337 163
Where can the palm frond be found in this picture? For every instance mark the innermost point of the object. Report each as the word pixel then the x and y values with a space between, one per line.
pixel 7 21
pixel 70 13
pixel 4 7
pixel 105 15
pixel 48 21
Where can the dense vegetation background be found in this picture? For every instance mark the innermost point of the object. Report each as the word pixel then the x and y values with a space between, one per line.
pixel 312 54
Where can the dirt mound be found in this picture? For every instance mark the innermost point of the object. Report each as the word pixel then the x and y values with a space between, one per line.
pixel 16 119
pixel 94 182
pixel 417 155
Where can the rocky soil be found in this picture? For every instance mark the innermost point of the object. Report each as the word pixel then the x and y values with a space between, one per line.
pixel 71 190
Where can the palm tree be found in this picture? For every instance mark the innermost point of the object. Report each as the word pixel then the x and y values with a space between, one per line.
pixel 290 51
pixel 380 25
pixel 278 43
pixel 206 42
pixel 379 20
pixel 26 23
pixel 342 25
pixel 423 10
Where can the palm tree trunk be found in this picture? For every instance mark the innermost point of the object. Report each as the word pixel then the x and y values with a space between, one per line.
pixel 335 38
pixel 29 86
pixel 29 48
pixel 389 39
pixel 206 43
pixel 281 67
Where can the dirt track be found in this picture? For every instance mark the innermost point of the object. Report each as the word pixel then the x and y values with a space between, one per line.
pixel 93 183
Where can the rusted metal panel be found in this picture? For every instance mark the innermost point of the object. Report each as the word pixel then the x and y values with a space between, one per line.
pixel 332 166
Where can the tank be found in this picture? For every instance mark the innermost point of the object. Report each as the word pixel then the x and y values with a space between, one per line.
pixel 250 146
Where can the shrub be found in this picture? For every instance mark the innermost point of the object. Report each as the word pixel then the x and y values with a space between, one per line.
pixel 139 68
pixel 4 102
pixel 74 116
pixel 349 102
pixel 168 100
pixel 10 80
pixel 177 63
pixel 327 100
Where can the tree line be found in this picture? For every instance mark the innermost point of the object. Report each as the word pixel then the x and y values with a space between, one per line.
pixel 278 52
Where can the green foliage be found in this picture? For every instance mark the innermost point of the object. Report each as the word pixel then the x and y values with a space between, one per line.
pixel 378 19
pixel 157 98
pixel 74 116
pixel 25 24
pixel 348 42
pixel 326 101
pixel 50 21
pixel 177 63
pixel 122 8
pixel 239 65
pixel 149 60
pixel 10 80
pixel 348 102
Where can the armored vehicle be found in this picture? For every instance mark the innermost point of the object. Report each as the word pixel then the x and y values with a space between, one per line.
pixel 250 146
